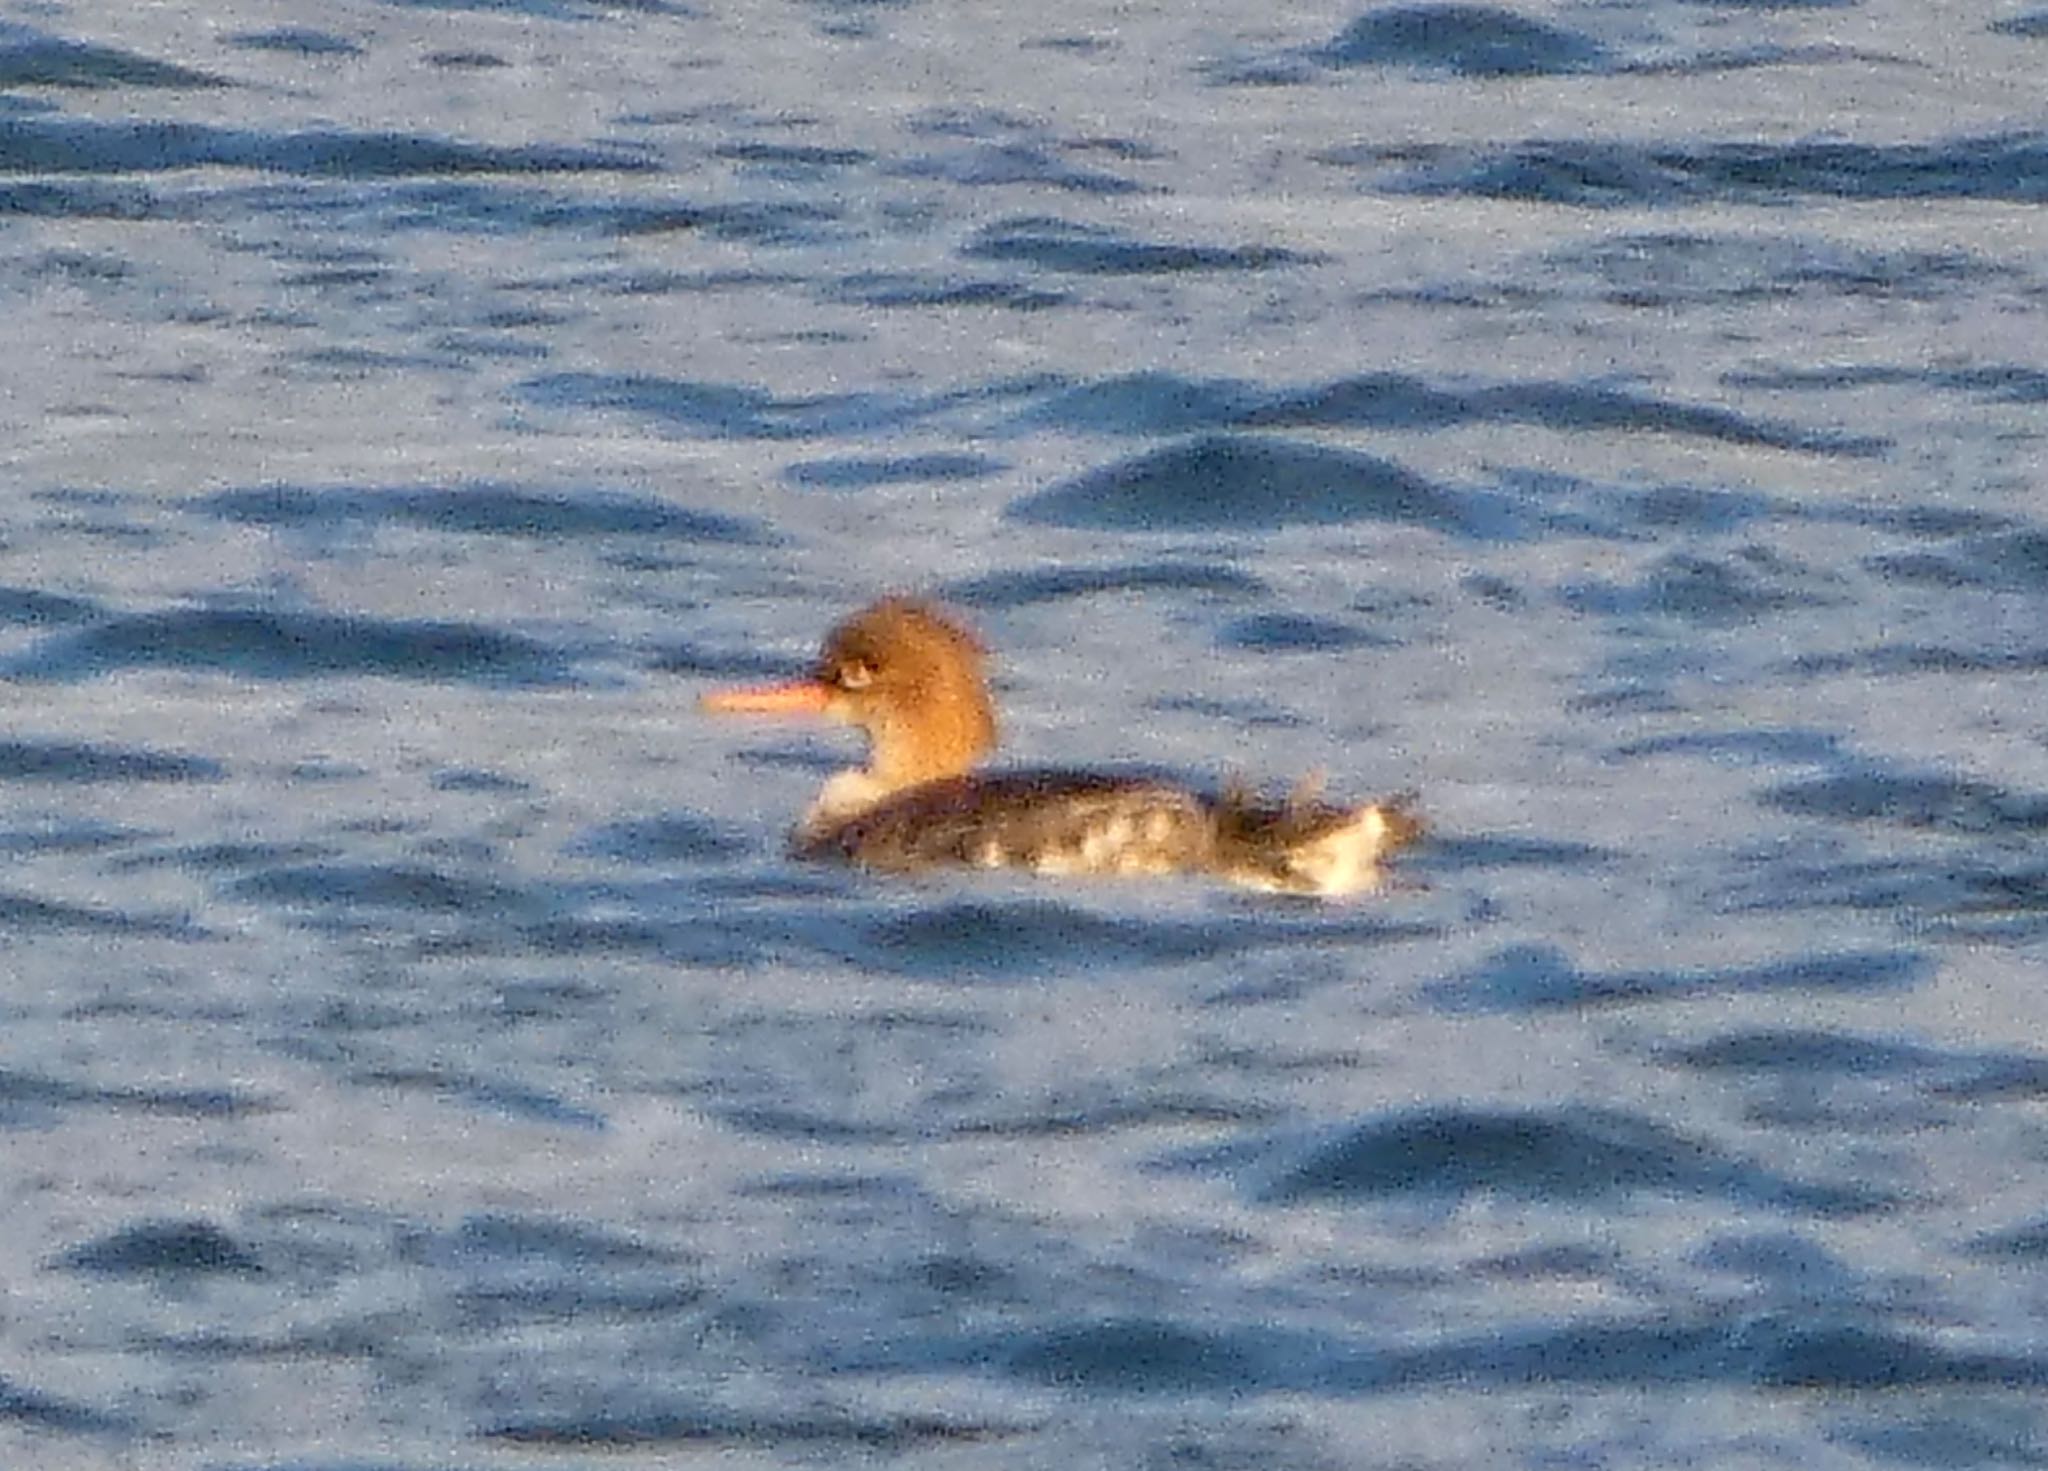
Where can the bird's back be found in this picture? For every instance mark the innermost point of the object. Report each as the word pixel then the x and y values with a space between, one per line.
pixel 1054 822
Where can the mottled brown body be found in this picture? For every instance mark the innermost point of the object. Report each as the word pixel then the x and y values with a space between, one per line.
pixel 1047 821
pixel 1077 822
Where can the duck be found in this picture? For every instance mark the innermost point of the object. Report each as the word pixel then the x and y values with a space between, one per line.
pixel 912 677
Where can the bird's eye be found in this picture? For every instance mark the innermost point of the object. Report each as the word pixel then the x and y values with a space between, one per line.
pixel 855 676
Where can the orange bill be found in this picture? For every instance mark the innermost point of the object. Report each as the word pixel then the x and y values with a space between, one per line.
pixel 798 697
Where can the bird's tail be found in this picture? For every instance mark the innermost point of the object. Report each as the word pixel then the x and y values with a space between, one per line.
pixel 1305 845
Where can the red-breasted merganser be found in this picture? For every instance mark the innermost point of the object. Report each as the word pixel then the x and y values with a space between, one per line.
pixel 911 677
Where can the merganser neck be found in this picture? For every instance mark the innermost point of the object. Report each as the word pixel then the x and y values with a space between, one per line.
pixel 913 680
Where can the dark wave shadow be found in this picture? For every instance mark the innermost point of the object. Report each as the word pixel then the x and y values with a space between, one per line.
pixel 38 1411
pixel 942 288
pixel 1523 978
pixel 1804 1347
pixel 2023 1245
pixel 1747 583
pixel 727 410
pixel 1163 403
pixel 1746 6
pixel 1760 55
pixel 32 1099
pixel 83 199
pixel 56 835
pixel 1771 1350
pixel 221 857
pixel 1489 44
pixel 484 509
pixel 2011 167
pixel 752 221
pixel 1015 161
pixel 1821 1058
pixel 563 10
pixel 2010 561
pixel 1992 382
pixel 514 1271
pixel 67 762
pixel 1885 660
pixel 27 914
pixel 1747 747
pixel 1146 1356
pixel 972 939
pixel 1053 244
pixel 816 1431
pixel 51 145
pixel 476 779
pixel 1025 588
pixel 1293 633
pixel 401 887
pixel 1929 801
pixel 801 161
pixel 1663 269
pixel 1395 400
pixel 1568 1153
pixel 1997 895
pixel 1145 403
pixel 273 644
pixel 295 41
pixel 1464 40
pixel 2029 24
pixel 30 58
pixel 38 609
pixel 986 940
pixel 165 1249
pixel 1082 1112
pixel 498 1096
pixel 853 473
pixel 1242 483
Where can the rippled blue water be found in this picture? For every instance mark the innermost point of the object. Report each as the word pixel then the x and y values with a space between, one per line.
pixel 1620 425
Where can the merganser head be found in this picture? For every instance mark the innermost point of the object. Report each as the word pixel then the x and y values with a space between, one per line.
pixel 908 675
